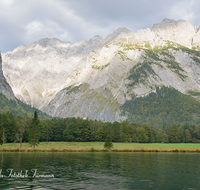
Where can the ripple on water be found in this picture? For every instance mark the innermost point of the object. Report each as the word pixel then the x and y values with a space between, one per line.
pixel 117 171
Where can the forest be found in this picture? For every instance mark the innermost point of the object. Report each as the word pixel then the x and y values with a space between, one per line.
pixel 14 128
pixel 165 115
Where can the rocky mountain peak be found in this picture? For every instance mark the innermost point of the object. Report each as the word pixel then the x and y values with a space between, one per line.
pixel 167 21
pixel 44 42
pixel 95 38
pixel 170 24
pixel 121 30
pixel 181 31
pixel 116 33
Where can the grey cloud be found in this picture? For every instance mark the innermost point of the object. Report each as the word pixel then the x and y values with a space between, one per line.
pixel 23 21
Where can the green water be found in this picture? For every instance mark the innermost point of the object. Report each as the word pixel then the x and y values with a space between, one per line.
pixel 100 171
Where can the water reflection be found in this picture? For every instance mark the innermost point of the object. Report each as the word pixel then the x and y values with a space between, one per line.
pixel 102 170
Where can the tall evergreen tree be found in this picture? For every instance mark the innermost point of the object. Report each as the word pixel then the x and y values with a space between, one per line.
pixel 34 131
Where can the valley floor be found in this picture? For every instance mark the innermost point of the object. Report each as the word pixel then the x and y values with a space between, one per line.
pixel 99 147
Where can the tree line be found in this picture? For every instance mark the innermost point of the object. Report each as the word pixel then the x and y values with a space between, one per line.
pixel 15 128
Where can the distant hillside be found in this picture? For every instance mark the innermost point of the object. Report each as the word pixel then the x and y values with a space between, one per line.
pixel 165 106
pixel 19 108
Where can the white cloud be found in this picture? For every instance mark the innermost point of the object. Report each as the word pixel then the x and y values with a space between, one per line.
pixel 183 10
pixel 34 27
pixel 7 3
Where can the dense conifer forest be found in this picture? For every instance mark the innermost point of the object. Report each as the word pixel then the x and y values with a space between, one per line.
pixel 83 130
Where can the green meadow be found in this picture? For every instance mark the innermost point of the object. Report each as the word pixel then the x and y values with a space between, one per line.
pixel 100 145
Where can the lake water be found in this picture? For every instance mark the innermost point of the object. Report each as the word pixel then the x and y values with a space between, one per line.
pixel 100 171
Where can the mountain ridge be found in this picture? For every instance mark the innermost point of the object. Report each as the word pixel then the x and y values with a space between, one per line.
pixel 77 54
pixel 95 78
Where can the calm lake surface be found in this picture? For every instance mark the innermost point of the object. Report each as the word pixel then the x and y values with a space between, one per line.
pixel 100 171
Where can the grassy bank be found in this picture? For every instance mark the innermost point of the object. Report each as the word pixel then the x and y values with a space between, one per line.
pixel 98 147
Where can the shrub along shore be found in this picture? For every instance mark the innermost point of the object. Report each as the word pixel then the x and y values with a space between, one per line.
pixel 98 147
pixel 185 150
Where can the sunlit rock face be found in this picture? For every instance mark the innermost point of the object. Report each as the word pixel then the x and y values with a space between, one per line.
pixel 94 78
pixel 36 72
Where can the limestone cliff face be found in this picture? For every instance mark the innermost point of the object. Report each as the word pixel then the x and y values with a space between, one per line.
pixel 36 72
pixel 94 78
pixel 5 89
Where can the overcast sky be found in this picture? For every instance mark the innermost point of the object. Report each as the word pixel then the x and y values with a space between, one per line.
pixel 26 21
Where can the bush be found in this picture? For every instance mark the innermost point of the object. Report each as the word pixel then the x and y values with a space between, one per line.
pixel 108 144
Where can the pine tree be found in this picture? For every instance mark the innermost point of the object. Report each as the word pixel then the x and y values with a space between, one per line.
pixel 34 131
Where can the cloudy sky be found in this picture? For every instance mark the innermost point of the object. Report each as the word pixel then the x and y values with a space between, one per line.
pixel 26 21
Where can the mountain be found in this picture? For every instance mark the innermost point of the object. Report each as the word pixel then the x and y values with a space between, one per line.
pixel 104 78
pixel 36 72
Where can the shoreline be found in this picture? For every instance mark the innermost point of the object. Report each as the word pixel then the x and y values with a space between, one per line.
pixel 185 150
